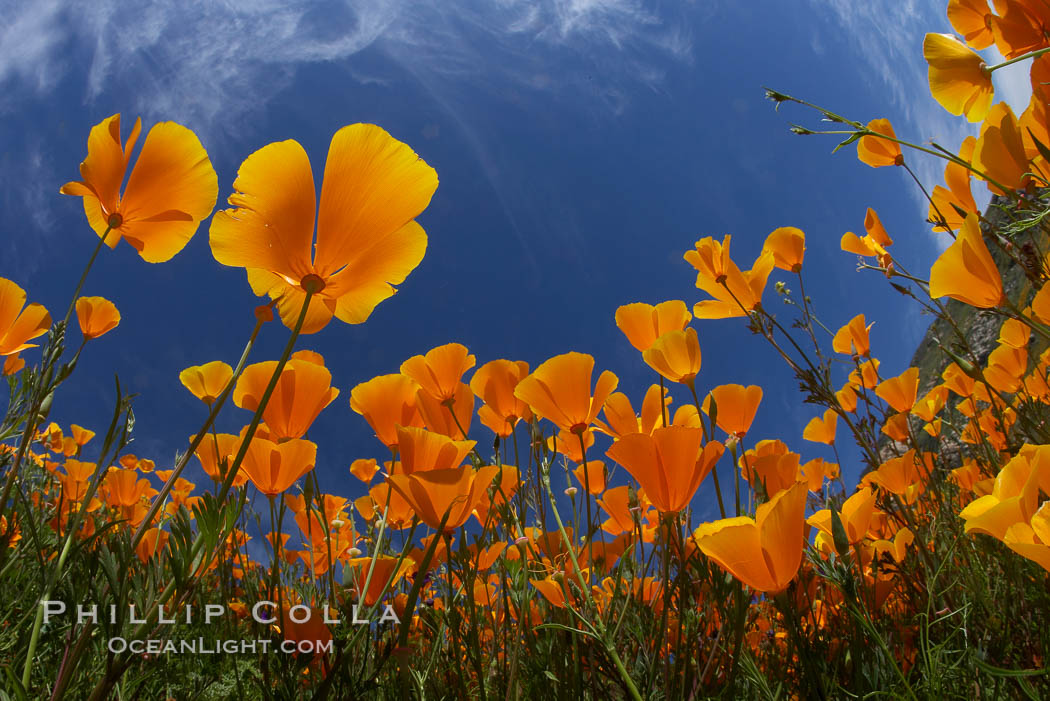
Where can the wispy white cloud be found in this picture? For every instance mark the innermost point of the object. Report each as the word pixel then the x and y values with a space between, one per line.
pixel 217 66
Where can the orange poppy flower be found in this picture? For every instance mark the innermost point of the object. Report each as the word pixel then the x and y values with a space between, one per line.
pixel 1019 26
pixel 438 372
pixel 384 573
pixel 206 382
pixel 389 503
pixel 1000 153
pixel 856 514
pixel 494 384
pixel 96 316
pixel 950 205
pixel 771 466
pixel 900 392
pixel 971 18
pixel 367 238
pixel 816 471
pixel 876 151
pixel 735 293
pixel 643 323
pixel 676 356
pixel 213 450
pixel 1014 497
pixel 18 325
pixel 364 469
pixel 593 474
pixel 788 246
pixel 670 464
pixel 1014 333
pixel 853 338
pixel 434 493
pixel 620 418
pixel 931 404
pixel 422 450
pixel 1006 368
pixel 302 392
pixel 958 80
pixel 81 435
pixel 153 542
pixel 386 402
pixel 559 390
pixel 451 418
pixel 124 488
pixel 736 407
pixel 617 503
pixel 171 189
pixel 966 271
pixel 274 467
pixel 308 629
pixel 764 553
pixel 822 429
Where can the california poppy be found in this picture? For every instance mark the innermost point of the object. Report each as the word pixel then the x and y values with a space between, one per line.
pixel 900 392
pixel 876 151
pixel 971 18
pixel 422 450
pixel 206 382
pixel 853 339
pixel 966 271
pixel 949 206
pixel 788 246
pixel 494 384
pixel 18 325
pixel 560 390
pixel 171 189
pixel 367 238
pixel 736 407
pixel 822 429
pixel 274 467
pixel 438 373
pixel 958 80
pixel 855 514
pixel 764 553
pixel 456 492
pixel 675 355
pixel 1000 152
pixel 643 323
pixel 670 464
pixel 303 390
pixel 96 316
pixel 386 402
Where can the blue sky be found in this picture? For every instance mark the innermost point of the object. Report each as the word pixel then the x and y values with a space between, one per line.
pixel 582 147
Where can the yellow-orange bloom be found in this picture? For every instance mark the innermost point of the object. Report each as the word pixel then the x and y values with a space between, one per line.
pixel 206 382
pixel 900 392
pixel 788 246
pixel 1019 26
pixel 381 574
pixel 764 553
pixel 18 325
pixel 856 514
pixel 971 18
pixel 386 402
pixel 670 464
pixel 421 450
pixel 434 493
pixel 735 407
pixel 1000 153
pixel 96 316
pixel 822 429
pixel 171 189
pixel 274 467
pixel 438 372
pixel 950 205
pixel 301 393
pixel 958 79
pixel 559 390
pixel 735 294
pixel 675 355
pixel 853 339
pixel 367 237
pixel 966 271
pixel 876 151
pixel 643 323
pixel 494 384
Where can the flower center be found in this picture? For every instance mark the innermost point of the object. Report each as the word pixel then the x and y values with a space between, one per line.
pixel 312 283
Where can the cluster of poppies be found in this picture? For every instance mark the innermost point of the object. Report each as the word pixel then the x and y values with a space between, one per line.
pixel 440 526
